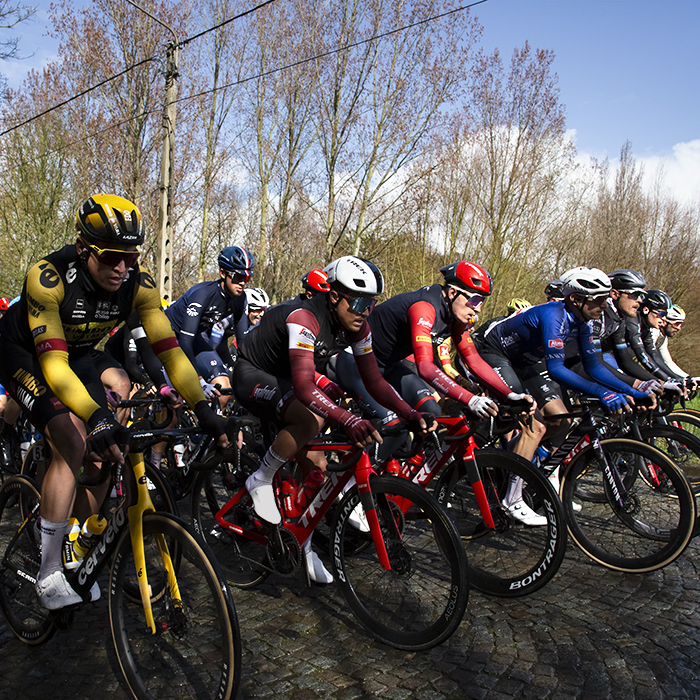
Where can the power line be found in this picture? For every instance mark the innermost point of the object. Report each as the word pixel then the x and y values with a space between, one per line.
pixel 225 22
pixel 75 97
pixel 325 54
pixel 130 68
pixel 316 57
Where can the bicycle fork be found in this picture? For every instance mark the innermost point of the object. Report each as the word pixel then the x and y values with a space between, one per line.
pixel 136 513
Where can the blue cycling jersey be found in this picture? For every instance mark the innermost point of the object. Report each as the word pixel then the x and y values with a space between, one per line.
pixel 197 310
pixel 542 332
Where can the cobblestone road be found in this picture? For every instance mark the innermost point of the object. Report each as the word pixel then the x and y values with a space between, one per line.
pixel 590 633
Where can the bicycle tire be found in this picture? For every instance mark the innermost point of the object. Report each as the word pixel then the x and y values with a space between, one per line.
pixel 679 445
pixel 196 651
pixel 512 559
pixel 28 619
pixel 420 602
pixel 656 523
pixel 243 561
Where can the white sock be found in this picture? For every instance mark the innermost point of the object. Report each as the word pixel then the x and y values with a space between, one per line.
pixel 51 546
pixel 156 458
pixel 514 492
pixel 269 466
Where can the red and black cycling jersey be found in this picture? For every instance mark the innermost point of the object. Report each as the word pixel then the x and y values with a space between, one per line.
pixel 293 340
pixel 267 344
pixel 415 323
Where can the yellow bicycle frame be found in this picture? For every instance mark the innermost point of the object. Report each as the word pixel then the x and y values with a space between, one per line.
pixel 136 513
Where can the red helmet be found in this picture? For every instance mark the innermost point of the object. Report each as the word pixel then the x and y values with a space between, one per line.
pixel 316 281
pixel 468 276
pixel 4 304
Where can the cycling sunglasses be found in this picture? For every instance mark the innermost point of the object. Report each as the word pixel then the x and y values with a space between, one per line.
pixel 633 294
pixel 360 304
pixel 239 277
pixel 661 313
pixel 473 300
pixel 113 257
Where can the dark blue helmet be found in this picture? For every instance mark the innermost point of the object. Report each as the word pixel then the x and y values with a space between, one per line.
pixel 233 258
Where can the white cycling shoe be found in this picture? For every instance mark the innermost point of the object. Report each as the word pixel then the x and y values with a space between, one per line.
pixel 522 512
pixel 554 480
pixel 54 592
pixel 263 497
pixel 314 566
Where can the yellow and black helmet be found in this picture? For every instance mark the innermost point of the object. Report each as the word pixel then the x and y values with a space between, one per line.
pixel 108 218
pixel 517 304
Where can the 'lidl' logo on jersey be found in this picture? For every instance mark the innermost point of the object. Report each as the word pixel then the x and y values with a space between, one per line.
pixel 557 343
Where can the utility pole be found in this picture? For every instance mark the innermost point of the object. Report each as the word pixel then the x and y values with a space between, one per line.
pixel 167 165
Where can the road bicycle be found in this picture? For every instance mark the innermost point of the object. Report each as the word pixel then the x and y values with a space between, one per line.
pixel 172 617
pixel 406 580
pixel 506 558
pixel 637 510
pixel 38 458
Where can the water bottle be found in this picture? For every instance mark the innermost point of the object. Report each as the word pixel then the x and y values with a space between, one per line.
pixel 290 491
pixel 69 559
pixel 309 489
pixel 179 451
pixel 90 533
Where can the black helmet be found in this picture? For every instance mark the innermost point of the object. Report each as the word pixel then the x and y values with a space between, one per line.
pixel 657 300
pixel 627 280
pixel 236 259
pixel 555 289
pixel 109 219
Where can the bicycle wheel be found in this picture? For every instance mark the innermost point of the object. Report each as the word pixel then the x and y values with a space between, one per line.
pixel 679 445
pixel 654 521
pixel 20 548
pixel 243 561
pixel 511 559
pixel 419 602
pixel 196 650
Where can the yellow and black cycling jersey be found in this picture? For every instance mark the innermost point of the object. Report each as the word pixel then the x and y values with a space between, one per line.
pixel 62 314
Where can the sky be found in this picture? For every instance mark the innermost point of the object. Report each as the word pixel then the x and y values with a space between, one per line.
pixel 628 71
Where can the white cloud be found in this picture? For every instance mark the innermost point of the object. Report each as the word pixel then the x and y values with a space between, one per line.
pixel 679 171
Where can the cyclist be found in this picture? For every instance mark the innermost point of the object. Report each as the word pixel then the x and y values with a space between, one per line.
pixel 257 301
pixel 514 306
pixel 415 322
pixel 554 291
pixel 315 281
pixel 527 351
pixel 194 314
pixel 276 376
pixel 652 319
pixel 675 318
pixel 71 299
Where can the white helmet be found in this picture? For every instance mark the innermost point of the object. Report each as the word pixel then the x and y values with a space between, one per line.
pixel 257 298
pixel 586 281
pixel 675 314
pixel 355 277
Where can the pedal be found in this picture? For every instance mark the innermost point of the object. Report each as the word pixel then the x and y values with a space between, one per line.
pixel 63 618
